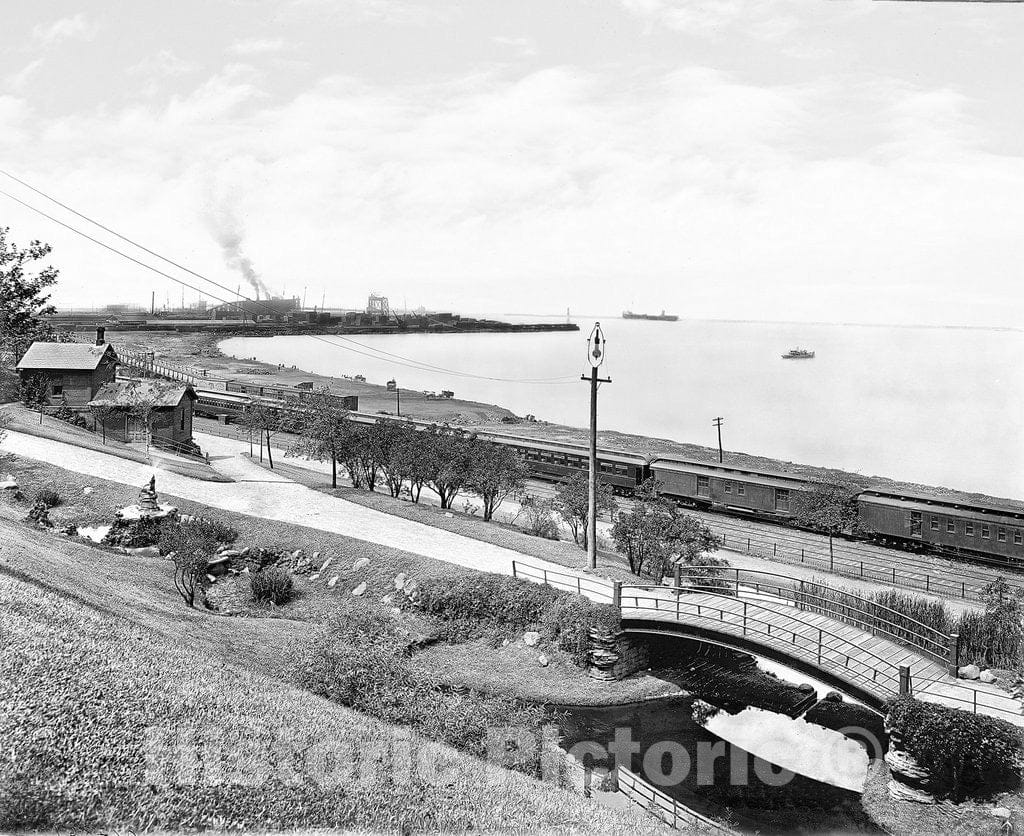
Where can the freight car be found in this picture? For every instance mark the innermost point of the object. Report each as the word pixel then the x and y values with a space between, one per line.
pixel 959 526
pixel 717 487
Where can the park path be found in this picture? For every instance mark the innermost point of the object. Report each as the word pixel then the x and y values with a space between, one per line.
pixel 264 493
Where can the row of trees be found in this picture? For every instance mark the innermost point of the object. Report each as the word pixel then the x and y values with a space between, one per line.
pixel 395 455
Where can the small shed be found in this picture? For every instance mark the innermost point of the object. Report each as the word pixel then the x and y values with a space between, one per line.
pixel 154 411
pixel 68 373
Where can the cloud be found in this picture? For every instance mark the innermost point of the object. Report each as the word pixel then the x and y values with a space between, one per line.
pixel 523 47
pixel 257 46
pixel 77 27
pixel 688 188
pixel 767 20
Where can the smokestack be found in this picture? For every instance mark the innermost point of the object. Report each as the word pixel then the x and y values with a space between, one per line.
pixel 101 335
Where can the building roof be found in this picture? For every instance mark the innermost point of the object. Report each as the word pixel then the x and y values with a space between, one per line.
pixel 64 356
pixel 129 394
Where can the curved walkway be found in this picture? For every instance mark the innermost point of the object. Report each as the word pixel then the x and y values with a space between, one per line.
pixel 262 493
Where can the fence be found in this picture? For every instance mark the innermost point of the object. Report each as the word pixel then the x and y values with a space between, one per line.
pixel 673 813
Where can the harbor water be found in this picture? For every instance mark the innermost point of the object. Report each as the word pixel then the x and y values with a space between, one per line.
pixel 930 405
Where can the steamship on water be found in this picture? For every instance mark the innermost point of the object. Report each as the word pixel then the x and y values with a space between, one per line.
pixel 662 317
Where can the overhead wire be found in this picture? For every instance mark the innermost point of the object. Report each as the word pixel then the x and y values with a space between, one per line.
pixel 399 359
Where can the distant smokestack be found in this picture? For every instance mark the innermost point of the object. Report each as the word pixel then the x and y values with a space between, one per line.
pixel 101 333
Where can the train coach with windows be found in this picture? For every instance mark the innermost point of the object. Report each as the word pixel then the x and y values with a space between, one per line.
pixel 724 488
pixel 969 528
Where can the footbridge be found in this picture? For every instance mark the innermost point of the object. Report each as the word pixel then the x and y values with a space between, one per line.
pixel 867 650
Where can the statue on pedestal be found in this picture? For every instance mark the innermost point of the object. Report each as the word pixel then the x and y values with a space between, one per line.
pixel 147 498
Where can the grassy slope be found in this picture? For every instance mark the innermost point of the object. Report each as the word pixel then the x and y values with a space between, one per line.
pixel 145 593
pixel 87 695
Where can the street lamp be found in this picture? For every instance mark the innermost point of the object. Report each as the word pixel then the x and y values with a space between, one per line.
pixel 596 345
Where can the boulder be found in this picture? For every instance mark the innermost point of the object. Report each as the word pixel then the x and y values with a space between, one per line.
pixel 531 638
pixel 296 554
pixel 449 514
pixel 987 676
pixel 333 582
pixel 226 552
pixel 315 557
pixel 969 672
pixel 359 564
pixel 1001 812
pixel 9 483
pixel 145 551
pixel 360 590
pixel 315 576
pixel 325 564
pixel 901 792
pixel 400 580
pixel 905 768
pixel 211 579
pixel 387 599
pixel 87 490
pixel 411 588
pixel 543 660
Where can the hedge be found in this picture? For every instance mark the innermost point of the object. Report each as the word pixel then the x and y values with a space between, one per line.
pixel 968 755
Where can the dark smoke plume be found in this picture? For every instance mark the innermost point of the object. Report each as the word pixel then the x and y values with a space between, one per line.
pixel 229 235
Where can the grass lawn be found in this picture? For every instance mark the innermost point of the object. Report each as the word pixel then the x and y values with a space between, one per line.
pixel 141 590
pixel 111 726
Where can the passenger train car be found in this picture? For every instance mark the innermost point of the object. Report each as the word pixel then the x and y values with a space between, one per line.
pixel 961 527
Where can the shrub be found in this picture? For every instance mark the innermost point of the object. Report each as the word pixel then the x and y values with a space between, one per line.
pixel 47 497
pixel 272 584
pixel 539 519
pixel 218 530
pixel 569 620
pixel 360 661
pixel 967 754
pixel 493 599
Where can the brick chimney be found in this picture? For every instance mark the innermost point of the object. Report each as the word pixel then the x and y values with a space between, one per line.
pixel 101 335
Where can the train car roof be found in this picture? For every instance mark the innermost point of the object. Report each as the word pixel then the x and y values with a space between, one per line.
pixel 562 447
pixel 931 504
pixel 781 480
pixel 226 396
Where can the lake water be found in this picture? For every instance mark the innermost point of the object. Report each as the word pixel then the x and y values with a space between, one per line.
pixel 937 406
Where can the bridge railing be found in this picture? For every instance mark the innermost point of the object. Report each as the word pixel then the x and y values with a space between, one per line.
pixel 841 605
pixel 597 589
pixel 673 813
pixel 772 626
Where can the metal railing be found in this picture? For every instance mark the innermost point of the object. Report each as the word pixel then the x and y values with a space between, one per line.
pixel 597 589
pixel 673 813
pixel 818 597
pixel 818 645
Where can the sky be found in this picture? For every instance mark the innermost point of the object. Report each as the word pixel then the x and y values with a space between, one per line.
pixel 805 160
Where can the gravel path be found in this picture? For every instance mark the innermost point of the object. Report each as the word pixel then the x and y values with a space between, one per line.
pixel 262 493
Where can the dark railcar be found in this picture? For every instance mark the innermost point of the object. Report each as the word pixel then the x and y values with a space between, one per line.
pixel 979 531
pixel 724 488
pixel 555 461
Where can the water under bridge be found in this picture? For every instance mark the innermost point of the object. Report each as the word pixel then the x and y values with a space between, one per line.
pixel 862 648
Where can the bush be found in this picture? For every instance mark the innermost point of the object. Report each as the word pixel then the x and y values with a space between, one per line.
pixel 539 519
pixel 218 530
pixel 569 620
pixel 272 584
pixel 48 497
pixel 360 661
pixel 494 599
pixel 967 754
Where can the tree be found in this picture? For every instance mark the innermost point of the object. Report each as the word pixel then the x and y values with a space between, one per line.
pixel 398 447
pixel 827 507
pixel 190 544
pixel 572 504
pixel 266 421
pixel 447 461
pixel 325 433
pixel 26 303
pixel 496 473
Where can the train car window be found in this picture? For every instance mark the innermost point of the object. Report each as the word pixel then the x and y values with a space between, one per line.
pixel 782 499
pixel 951 526
pixel 741 490
pixel 969 529
pixel 915 523
pixel 703 486
pixel 728 487
pixel 935 523
pixel 1001 535
pixel 1017 538
pixel 986 532
pixel 620 469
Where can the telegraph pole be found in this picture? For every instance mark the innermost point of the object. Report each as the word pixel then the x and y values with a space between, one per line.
pixel 718 423
pixel 398 400
pixel 595 355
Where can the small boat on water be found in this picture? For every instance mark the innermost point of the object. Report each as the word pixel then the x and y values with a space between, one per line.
pixel 798 354
pixel 662 317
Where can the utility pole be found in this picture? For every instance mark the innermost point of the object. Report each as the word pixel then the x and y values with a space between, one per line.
pixel 398 400
pixel 718 423
pixel 595 355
